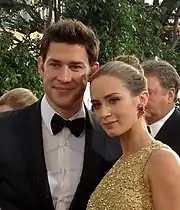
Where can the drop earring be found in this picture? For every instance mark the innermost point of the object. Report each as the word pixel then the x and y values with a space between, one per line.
pixel 141 110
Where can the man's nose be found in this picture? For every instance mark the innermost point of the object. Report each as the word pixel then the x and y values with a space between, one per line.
pixel 65 74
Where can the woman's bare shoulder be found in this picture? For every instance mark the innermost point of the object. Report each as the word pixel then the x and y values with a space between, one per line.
pixel 163 160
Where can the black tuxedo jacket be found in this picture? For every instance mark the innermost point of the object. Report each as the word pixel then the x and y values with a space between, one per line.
pixel 23 174
pixel 170 132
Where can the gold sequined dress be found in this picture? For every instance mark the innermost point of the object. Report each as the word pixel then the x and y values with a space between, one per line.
pixel 123 187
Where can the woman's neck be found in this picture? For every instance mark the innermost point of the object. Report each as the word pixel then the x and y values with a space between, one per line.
pixel 135 138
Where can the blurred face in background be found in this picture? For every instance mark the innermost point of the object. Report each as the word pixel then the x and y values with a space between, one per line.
pixel 4 108
pixel 160 101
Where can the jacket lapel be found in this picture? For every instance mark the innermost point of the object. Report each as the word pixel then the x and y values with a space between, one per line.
pixel 167 132
pixel 89 157
pixel 31 144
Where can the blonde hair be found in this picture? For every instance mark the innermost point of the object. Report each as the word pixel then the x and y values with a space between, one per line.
pixel 133 79
pixel 18 98
pixel 131 60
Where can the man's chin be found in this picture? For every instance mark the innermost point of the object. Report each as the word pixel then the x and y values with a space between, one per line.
pixel 64 104
pixel 148 120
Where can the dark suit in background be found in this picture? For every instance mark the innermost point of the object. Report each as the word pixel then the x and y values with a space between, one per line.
pixel 23 174
pixel 170 132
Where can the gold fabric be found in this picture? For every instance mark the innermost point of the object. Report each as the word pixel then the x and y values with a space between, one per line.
pixel 123 187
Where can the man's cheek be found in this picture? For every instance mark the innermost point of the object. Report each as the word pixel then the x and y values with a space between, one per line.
pixel 83 78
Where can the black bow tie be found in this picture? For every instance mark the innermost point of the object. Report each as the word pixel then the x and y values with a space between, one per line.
pixel 75 126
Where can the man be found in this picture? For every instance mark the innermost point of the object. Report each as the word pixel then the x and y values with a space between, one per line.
pixel 161 115
pixel 45 160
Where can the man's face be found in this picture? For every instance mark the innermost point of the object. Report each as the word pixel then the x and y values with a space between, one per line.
pixel 158 104
pixel 65 73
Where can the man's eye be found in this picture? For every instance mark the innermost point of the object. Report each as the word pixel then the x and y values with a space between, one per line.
pixel 54 65
pixel 76 67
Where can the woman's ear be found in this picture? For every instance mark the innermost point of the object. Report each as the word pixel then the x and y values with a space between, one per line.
pixel 144 97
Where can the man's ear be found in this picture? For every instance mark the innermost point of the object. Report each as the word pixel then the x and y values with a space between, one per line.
pixel 40 66
pixel 94 69
pixel 171 95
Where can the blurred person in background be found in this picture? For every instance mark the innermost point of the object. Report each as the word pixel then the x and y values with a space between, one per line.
pixel 16 98
pixel 162 117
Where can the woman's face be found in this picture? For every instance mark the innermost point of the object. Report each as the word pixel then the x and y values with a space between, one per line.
pixel 114 106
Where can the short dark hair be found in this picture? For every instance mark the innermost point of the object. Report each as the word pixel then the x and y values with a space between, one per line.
pixel 165 72
pixel 71 32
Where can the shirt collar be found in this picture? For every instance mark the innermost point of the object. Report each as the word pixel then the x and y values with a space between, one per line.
pixel 47 113
pixel 155 127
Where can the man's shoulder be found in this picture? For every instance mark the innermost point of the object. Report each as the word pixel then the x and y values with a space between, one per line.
pixel 8 116
pixel 18 114
pixel 171 126
pixel 176 115
pixel 177 110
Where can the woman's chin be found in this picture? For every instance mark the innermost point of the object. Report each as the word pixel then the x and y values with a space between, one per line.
pixel 113 134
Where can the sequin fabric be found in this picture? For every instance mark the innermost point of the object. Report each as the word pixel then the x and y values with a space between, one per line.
pixel 123 187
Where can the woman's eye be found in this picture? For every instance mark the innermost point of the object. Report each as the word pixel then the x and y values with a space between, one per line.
pixel 96 106
pixel 113 100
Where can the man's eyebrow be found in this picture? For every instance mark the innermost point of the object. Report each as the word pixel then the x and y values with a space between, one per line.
pixel 77 62
pixel 71 62
pixel 54 60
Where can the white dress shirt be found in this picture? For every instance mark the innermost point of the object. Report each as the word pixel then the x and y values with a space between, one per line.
pixel 155 127
pixel 87 97
pixel 64 156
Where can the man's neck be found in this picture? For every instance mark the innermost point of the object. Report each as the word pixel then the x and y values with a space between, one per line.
pixel 166 112
pixel 69 111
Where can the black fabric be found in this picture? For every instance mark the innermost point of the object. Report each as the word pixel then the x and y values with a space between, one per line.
pixel 170 132
pixel 149 129
pixel 76 126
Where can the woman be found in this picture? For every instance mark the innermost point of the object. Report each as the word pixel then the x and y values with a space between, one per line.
pixel 147 176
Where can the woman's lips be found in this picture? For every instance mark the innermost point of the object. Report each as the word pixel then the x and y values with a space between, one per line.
pixel 109 124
